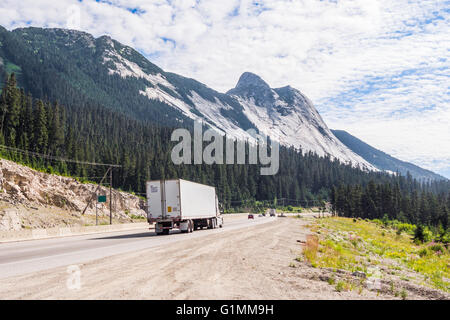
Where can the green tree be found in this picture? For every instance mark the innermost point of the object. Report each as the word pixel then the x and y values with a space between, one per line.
pixel 11 110
pixel 40 134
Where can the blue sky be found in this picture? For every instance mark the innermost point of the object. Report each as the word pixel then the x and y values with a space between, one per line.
pixel 376 68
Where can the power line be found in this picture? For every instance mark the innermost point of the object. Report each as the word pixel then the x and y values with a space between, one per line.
pixel 87 178
pixel 49 157
pixel 278 200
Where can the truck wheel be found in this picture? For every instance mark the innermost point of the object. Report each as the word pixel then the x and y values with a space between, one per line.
pixel 159 233
pixel 191 226
pixel 214 223
pixel 166 231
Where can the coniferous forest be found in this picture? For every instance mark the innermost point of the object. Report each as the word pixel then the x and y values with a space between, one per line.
pixel 95 134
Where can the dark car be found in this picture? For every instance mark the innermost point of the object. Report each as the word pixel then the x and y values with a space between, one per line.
pixel 272 214
pixel 250 216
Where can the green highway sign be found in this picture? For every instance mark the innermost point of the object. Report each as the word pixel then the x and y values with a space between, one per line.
pixel 101 199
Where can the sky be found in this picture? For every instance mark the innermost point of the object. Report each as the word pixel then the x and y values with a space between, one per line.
pixel 379 69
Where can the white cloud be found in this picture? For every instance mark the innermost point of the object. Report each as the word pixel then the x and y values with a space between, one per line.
pixel 379 69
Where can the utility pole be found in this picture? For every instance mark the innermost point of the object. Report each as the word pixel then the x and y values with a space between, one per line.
pixel 96 205
pixel 110 196
pixel 95 194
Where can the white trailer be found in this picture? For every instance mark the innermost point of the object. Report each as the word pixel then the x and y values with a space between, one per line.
pixel 182 204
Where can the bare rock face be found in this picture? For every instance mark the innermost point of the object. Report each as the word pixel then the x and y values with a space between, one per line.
pixel 10 220
pixel 22 185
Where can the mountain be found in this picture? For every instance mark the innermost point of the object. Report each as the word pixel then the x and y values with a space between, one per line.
pixel 103 72
pixel 382 160
pixel 290 117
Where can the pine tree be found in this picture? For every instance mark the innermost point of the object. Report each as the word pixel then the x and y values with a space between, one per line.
pixel 12 111
pixel 40 132
pixel 56 133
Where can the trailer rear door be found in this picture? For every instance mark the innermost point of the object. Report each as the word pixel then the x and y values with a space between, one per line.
pixel 172 203
pixel 154 200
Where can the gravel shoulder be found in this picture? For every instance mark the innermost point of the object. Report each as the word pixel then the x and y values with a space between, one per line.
pixel 256 262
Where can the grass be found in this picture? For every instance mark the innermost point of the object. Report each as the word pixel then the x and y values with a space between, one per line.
pixel 136 217
pixel 311 248
pixel 343 286
pixel 359 245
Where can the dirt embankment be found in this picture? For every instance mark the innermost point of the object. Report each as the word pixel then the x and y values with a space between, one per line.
pixel 33 199
pixel 257 262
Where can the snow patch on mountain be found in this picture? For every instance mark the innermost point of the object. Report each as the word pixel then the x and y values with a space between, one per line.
pixel 157 93
pixel 212 114
pixel 126 68
pixel 210 111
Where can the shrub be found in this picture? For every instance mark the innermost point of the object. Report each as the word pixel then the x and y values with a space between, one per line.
pixel 290 208
pixel 403 294
pixel 340 286
pixel 377 221
pixel 445 237
pixel 405 227
pixel 343 286
pixel 422 234
pixel 423 252
pixel 437 247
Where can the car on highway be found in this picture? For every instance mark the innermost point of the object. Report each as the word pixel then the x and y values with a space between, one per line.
pixel 250 216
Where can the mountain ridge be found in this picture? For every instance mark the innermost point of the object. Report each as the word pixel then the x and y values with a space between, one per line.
pixel 382 160
pixel 105 72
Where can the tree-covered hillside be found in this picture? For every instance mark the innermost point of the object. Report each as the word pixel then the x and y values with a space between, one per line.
pixel 382 160
pixel 75 68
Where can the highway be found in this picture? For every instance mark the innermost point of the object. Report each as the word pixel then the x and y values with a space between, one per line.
pixel 18 258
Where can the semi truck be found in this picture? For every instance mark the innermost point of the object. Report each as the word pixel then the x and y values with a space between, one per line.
pixel 182 204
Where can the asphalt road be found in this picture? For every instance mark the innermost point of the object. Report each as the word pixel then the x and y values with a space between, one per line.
pixel 19 258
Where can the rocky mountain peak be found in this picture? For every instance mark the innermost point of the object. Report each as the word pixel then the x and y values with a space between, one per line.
pixel 251 86
pixel 249 79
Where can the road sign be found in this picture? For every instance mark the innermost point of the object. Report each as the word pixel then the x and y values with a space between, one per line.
pixel 101 199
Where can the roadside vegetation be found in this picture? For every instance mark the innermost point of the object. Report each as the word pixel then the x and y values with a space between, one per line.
pixel 261 207
pixel 254 206
pixel 379 248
